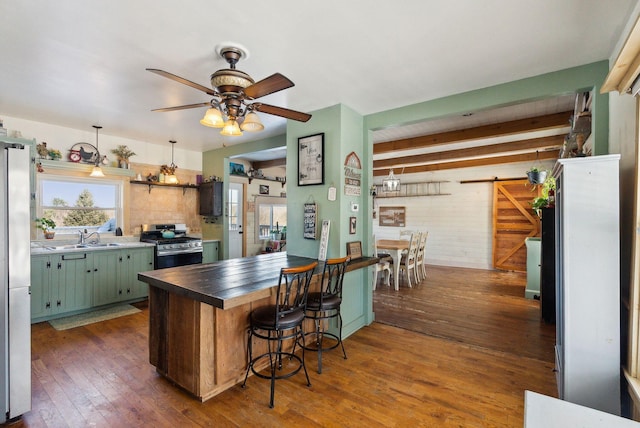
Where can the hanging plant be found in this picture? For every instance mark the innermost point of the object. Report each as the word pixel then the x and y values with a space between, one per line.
pixel 537 176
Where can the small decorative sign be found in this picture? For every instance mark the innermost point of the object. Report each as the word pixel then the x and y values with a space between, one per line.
pixel 354 249
pixel 352 225
pixel 310 228
pixel 324 240
pixel 311 160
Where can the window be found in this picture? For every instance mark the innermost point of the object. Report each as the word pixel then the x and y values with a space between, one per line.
pixel 271 215
pixel 77 203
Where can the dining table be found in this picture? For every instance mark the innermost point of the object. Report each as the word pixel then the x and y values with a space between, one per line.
pixel 395 248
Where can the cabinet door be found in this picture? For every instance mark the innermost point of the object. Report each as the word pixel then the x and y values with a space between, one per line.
pixel 141 261
pixel 105 277
pixel 134 260
pixel 74 282
pixel 209 252
pixel 40 286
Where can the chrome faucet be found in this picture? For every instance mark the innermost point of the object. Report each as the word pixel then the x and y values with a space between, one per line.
pixel 86 238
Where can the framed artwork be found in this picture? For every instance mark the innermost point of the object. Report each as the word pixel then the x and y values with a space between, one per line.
pixel 352 225
pixel 236 168
pixel 311 160
pixel 354 249
pixel 264 189
pixel 392 216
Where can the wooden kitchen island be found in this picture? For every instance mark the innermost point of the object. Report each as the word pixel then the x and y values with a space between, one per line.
pixel 199 317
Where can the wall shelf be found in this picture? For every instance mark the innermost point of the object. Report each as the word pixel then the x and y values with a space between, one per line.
pixel 156 184
pixel 408 190
pixel 283 181
pixel 82 167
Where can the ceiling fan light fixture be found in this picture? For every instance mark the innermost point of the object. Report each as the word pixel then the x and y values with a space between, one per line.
pixel 252 123
pixel 212 118
pixel 231 128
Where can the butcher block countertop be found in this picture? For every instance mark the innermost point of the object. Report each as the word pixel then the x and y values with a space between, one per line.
pixel 234 282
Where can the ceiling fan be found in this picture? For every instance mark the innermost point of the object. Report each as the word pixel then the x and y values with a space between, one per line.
pixel 233 92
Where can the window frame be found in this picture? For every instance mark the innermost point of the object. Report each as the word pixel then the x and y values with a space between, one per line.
pixel 266 200
pixel 119 197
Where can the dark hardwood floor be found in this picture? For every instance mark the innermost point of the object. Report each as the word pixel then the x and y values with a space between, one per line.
pixel 466 348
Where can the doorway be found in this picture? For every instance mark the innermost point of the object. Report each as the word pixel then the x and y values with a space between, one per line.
pixel 235 210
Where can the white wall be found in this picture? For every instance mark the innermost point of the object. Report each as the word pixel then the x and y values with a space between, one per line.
pixel 460 225
pixel 62 138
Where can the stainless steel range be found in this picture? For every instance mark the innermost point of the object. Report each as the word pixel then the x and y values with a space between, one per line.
pixel 173 246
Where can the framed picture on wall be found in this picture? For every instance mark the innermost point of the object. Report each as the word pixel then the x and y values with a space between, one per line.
pixel 264 189
pixel 352 225
pixel 311 160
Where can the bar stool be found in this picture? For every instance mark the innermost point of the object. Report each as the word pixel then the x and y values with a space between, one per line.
pixel 324 305
pixel 279 322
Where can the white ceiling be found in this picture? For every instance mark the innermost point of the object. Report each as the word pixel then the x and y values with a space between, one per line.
pixel 77 63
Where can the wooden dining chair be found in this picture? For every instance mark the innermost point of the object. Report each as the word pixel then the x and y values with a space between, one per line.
pixel 382 266
pixel 408 262
pixel 420 268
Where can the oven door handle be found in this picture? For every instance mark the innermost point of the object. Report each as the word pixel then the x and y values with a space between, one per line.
pixel 173 252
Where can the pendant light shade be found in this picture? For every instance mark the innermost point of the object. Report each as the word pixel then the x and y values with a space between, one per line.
pixel 212 118
pixel 231 129
pixel 391 183
pixel 96 171
pixel 171 178
pixel 252 123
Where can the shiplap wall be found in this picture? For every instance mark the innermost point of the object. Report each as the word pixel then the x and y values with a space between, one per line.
pixel 460 224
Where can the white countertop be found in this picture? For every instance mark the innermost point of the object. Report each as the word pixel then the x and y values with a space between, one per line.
pixel 53 246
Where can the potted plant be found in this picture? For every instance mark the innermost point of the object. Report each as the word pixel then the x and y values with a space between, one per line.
pixel 547 196
pixel 47 225
pixel 536 175
pixel 123 153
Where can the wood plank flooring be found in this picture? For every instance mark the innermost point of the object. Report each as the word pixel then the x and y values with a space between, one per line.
pixel 482 346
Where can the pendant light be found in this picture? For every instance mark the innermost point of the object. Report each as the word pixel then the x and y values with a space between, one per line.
pixel 171 178
pixel 97 171
pixel 391 183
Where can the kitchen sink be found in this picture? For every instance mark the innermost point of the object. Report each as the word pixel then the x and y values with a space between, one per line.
pixel 76 246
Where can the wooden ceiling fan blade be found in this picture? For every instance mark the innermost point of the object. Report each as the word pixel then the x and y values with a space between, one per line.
pixel 282 112
pixel 274 83
pixel 183 81
pixel 184 107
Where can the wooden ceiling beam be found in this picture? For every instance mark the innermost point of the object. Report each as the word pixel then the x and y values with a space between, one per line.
pixel 282 162
pixel 530 144
pixel 497 160
pixel 550 121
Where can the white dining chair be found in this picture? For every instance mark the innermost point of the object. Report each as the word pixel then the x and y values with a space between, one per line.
pixel 382 266
pixel 420 268
pixel 406 234
pixel 408 263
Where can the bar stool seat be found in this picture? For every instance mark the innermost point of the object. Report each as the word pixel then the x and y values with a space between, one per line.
pixel 278 323
pixel 324 305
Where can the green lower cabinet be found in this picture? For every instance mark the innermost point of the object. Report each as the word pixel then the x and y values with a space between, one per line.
pixel 105 280
pixel 60 283
pixel 131 262
pixel 41 288
pixel 76 281
pixel 210 251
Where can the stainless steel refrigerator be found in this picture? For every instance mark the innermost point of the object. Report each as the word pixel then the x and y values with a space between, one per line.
pixel 15 280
